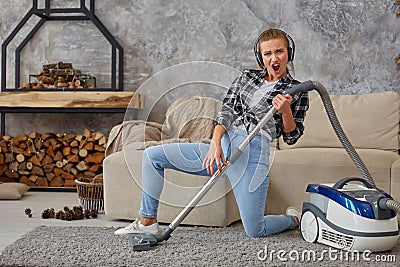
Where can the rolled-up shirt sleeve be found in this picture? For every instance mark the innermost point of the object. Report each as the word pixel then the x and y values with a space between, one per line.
pixel 299 108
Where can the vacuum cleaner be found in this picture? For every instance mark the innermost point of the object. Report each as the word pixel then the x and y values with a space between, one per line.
pixel 354 219
pixel 352 214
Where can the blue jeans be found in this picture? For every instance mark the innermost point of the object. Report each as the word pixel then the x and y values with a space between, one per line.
pixel 248 177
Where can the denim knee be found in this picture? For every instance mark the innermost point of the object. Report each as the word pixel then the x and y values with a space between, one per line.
pixel 150 154
pixel 253 231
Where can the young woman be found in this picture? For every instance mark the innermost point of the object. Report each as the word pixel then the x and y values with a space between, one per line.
pixel 248 99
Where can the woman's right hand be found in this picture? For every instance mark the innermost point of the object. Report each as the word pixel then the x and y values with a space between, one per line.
pixel 216 155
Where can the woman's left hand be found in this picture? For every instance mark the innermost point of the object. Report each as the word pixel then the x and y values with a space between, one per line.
pixel 282 103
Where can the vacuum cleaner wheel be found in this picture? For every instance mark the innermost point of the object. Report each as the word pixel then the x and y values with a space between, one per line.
pixel 309 227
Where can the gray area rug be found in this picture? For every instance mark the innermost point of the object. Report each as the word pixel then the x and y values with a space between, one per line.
pixel 189 246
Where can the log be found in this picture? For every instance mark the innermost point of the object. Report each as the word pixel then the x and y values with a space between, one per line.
pixel 37 171
pixel 82 166
pixel 6 138
pixel 3 168
pixel 20 158
pixel 25 180
pixel 58 171
pixel 11 174
pixel 59 164
pixel 74 171
pixel 29 165
pixel 17 150
pixel 58 156
pixel 33 178
pixel 47 159
pixel 87 133
pixel 13 166
pixel 95 168
pixel 19 139
pixel 9 158
pixel 68 167
pixel 89 146
pixel 56 182
pixel 34 160
pixel 83 153
pixel 23 145
pixel 40 155
pixel 73 158
pixel 98 136
pixel 89 174
pixel 74 143
pixel 42 181
pixel 79 138
pixel 94 158
pixel 22 166
pixel 50 176
pixel 48 167
pixel 99 148
pixel 50 151
pixel 102 141
pixel 69 183
pixel 33 135
pixel 66 151
pixel 67 176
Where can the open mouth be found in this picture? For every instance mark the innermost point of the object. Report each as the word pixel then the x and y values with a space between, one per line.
pixel 276 67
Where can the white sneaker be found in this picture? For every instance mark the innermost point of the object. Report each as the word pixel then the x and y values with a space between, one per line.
pixel 138 228
pixel 295 213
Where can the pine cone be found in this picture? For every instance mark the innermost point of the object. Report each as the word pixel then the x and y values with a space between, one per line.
pixel 45 214
pixel 94 214
pixel 87 214
pixel 28 212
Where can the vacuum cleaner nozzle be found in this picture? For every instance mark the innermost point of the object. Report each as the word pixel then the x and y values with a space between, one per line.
pixel 142 242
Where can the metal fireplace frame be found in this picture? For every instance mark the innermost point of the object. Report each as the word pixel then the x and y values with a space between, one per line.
pixel 47 14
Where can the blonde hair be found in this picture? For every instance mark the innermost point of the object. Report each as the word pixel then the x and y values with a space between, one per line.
pixel 271 34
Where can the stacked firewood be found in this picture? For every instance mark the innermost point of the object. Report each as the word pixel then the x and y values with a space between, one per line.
pixel 60 75
pixel 50 159
pixel 398 13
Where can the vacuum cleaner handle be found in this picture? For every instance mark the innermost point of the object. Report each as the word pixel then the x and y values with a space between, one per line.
pixel 301 87
pixel 342 182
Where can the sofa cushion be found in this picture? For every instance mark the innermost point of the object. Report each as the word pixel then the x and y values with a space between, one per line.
pixel 292 170
pixel 370 121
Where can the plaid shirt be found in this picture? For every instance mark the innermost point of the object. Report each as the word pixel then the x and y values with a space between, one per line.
pixel 236 110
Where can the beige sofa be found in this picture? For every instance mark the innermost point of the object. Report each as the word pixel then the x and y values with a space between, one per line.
pixel 371 122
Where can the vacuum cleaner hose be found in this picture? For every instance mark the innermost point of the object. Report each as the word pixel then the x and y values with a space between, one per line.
pixel 340 133
pixel 393 205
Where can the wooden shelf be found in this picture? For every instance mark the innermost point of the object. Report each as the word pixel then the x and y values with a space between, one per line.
pixel 74 99
pixel 68 102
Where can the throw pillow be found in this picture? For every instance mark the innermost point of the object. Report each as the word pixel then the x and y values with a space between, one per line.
pixel 12 190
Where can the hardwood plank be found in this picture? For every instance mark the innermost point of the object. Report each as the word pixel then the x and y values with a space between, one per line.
pixel 71 100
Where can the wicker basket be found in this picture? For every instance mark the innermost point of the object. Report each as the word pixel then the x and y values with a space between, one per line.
pixel 90 193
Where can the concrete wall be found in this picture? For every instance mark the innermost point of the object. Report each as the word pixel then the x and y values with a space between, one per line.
pixel 349 45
